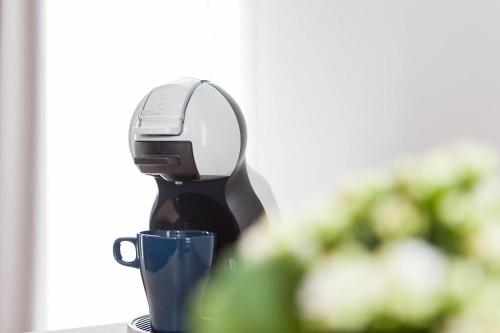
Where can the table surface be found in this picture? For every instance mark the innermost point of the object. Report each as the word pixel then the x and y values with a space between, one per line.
pixel 113 328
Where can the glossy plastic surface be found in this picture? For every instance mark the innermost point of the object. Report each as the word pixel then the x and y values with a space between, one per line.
pixel 210 123
pixel 172 263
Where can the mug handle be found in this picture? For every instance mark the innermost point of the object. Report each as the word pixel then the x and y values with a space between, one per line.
pixel 118 254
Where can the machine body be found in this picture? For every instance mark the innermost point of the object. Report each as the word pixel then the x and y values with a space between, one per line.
pixel 190 135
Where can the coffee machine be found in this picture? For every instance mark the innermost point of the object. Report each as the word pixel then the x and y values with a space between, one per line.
pixel 190 135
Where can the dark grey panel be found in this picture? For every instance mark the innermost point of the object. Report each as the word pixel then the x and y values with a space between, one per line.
pixel 173 160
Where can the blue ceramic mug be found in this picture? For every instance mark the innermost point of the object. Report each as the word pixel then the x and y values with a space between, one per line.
pixel 172 264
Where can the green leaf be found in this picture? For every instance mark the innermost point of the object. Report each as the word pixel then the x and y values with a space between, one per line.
pixel 252 299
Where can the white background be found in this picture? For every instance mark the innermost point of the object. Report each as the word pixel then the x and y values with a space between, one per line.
pixel 101 58
pixel 327 87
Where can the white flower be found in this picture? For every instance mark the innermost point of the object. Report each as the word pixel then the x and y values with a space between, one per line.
pixel 267 240
pixel 324 225
pixel 481 314
pixel 424 176
pixel 257 243
pixel 397 217
pixel 415 279
pixel 341 292
pixel 465 211
pixel 487 199
pixel 358 193
pixel 303 236
pixel 457 210
pixel 474 160
pixel 444 168
pixel 485 243
pixel 465 278
pixel 471 324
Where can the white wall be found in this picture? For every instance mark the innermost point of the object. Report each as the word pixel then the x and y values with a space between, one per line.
pixel 340 85
pixel 101 58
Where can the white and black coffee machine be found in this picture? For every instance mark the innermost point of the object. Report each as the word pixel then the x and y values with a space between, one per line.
pixel 190 135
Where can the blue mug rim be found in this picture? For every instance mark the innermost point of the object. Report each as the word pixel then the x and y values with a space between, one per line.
pixel 176 234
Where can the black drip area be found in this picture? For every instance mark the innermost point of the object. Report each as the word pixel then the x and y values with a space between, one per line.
pixel 199 205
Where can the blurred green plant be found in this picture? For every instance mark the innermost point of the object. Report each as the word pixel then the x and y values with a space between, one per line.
pixel 411 248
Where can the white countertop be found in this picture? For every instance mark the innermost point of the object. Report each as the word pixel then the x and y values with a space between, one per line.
pixel 113 328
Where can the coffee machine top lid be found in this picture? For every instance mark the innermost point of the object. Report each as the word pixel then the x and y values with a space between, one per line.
pixel 189 129
pixel 162 112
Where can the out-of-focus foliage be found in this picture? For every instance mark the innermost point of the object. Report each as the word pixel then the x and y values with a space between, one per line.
pixel 411 248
